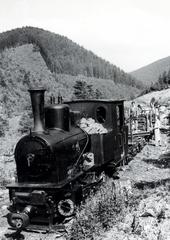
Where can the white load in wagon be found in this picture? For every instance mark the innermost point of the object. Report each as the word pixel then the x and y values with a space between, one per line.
pixel 91 127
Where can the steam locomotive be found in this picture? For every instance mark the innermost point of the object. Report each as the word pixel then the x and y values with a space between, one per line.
pixel 58 159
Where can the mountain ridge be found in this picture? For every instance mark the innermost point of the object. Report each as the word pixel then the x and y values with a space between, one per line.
pixel 150 73
pixel 62 55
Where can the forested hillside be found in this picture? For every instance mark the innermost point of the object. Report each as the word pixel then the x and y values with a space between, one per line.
pixel 151 73
pixel 64 56
pixel 23 67
pixel 31 57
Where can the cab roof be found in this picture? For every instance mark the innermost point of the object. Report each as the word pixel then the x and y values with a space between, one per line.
pixel 95 101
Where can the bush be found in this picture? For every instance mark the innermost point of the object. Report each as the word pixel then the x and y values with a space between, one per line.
pixel 4 126
pixel 26 122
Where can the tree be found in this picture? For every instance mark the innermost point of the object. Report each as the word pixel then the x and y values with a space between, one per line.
pixel 4 125
pixel 26 122
pixel 98 94
pixel 164 79
pixel 82 90
pixel 168 77
pixel 160 82
pixel 89 92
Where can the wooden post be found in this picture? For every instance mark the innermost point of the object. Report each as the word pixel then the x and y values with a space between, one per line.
pixel 131 135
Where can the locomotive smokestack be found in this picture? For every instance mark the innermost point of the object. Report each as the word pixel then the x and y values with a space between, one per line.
pixel 37 100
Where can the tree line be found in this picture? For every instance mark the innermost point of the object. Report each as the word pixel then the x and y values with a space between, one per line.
pixel 82 90
pixel 163 82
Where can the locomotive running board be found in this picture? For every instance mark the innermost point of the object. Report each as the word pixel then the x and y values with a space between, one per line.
pixel 43 186
pixel 57 228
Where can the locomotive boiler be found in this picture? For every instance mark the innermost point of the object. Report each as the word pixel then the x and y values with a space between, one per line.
pixel 59 158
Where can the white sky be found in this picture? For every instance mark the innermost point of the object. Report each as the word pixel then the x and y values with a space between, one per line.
pixel 128 33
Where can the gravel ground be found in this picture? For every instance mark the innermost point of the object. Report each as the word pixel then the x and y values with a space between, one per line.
pixel 149 176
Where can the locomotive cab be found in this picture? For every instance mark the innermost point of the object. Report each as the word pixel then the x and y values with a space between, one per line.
pixel 110 114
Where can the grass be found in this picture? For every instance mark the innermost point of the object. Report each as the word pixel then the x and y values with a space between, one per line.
pixel 102 210
pixel 109 207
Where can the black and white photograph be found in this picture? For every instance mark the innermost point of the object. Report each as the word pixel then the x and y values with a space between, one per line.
pixel 84 120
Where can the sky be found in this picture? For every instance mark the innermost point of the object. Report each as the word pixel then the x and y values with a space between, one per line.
pixel 127 33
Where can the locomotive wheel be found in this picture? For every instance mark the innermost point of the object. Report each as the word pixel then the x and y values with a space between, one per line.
pixel 66 207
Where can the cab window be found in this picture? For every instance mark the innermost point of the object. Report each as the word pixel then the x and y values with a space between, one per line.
pixel 119 115
pixel 101 114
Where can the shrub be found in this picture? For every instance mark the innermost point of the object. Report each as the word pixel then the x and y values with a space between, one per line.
pixel 4 126
pixel 26 122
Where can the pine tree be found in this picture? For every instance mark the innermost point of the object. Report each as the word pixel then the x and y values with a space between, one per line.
pixel 164 79
pixel 89 92
pixel 160 82
pixel 80 89
pixel 98 94
pixel 168 77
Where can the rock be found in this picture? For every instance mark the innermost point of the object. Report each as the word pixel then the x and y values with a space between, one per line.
pixel 4 207
pixel 128 222
pixel 147 228
pixel 153 207
pixel 148 213
pixel 164 230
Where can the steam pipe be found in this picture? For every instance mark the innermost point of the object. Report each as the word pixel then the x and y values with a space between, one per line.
pixel 37 101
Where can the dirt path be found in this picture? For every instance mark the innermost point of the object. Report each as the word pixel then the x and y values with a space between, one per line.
pixel 148 175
